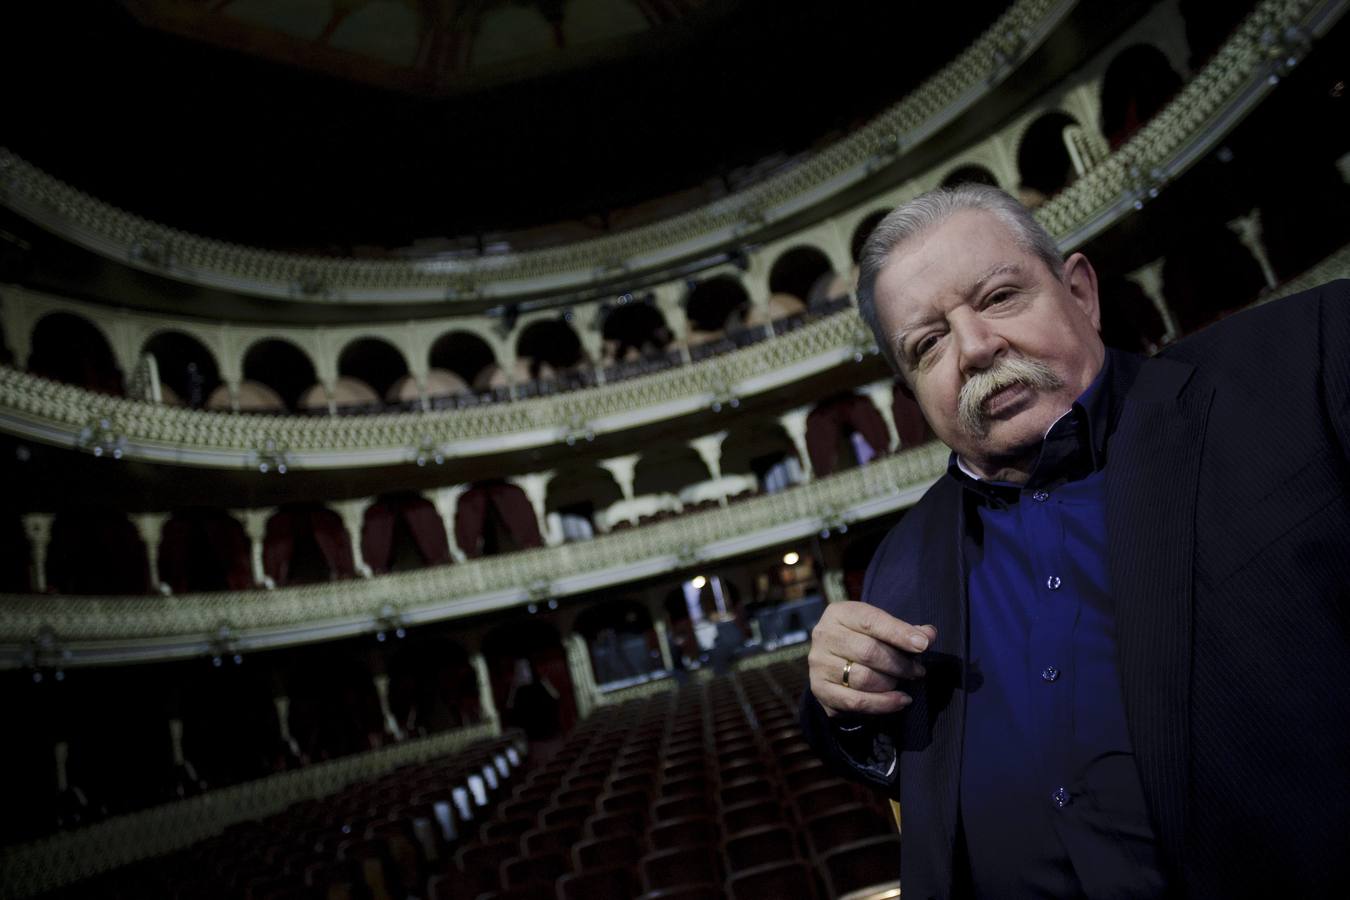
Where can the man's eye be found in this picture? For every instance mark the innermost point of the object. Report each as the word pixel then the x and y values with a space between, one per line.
pixel 924 345
pixel 998 297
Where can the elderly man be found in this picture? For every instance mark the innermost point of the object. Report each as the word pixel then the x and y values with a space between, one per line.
pixel 1108 654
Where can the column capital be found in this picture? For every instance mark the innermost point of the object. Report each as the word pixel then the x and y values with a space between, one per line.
pixel 485 699
pixel 38 529
pixel 150 527
pixel 794 423
pixel 1149 278
pixel 353 513
pixel 535 486
pixel 446 501
pixel 881 393
pixel 624 470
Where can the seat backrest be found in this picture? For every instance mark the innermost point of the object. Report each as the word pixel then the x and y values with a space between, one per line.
pixel 758 846
pixel 793 878
pixel 685 805
pixel 844 825
pixel 870 862
pixel 684 831
pixel 592 884
pixel 624 821
pixel 823 797
pixel 681 865
pixel 600 853
pixel 753 814
pixel 743 789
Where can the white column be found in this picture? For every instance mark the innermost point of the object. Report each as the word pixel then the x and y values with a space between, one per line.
pixel 832 583
pixel 150 526
pixel 879 392
pixel 446 500
pixel 1248 230
pixel 1149 279
pixel 176 741
pixel 583 678
pixel 38 528
pixel 391 726
pixel 61 752
pixel 677 320
pixel 282 703
pixel 624 470
pixel 485 698
pixel 535 486
pixel 353 514
pixel 794 423
pixel 709 449
pixel 255 526
pixel 663 641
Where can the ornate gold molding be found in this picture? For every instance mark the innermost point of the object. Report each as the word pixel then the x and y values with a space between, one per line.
pixel 48 863
pixel 94 630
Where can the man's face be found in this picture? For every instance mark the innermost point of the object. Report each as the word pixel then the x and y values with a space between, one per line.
pixel 963 306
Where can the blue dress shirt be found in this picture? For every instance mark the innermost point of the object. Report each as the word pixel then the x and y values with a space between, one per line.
pixel 1051 802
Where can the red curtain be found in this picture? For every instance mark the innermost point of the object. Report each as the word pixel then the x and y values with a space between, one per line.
pixel 428 531
pixel 518 514
pixel 232 548
pixel 470 517
pixel 843 414
pixel 331 536
pixel 279 546
pixel 511 504
pixel 220 533
pixel 910 425
pixel 377 536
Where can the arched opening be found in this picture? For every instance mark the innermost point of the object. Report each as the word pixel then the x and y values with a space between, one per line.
pixel 1130 321
pixel 187 370
pixel 1138 83
pixel 16 562
pixel 622 642
pixel 911 428
pixel 844 431
pixel 96 551
pixel 464 354
pixel 1305 215
pixel 70 349
pixel 402 532
pixel 668 470
pixel 531 684
pixel 374 362
pixel 282 368
pixel 495 517
pixel 634 330
pixel 1211 276
pixel 717 305
pixel 547 348
pixel 969 174
pixel 864 231
pixel 1043 161
pixel 576 494
pixel 1208 25
pixel 764 451
pixel 307 544
pixel 229 722
pixel 804 273
pixel 334 708
pixel 204 550
pixel 433 686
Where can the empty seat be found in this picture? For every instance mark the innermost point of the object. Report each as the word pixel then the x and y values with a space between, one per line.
pixel 678 807
pixel 686 892
pixel 689 784
pixel 758 846
pixel 806 775
pixel 870 863
pixel 575 815
pixel 625 821
pixel 743 789
pixel 623 800
pixel 680 866
pixel 534 868
pixel 599 853
pixel 510 829
pixel 596 884
pixel 752 814
pixel 682 832
pixel 793 879
pixel 844 825
pixel 823 797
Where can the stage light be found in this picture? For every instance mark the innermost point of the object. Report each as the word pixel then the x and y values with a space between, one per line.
pixel 791 558
pixel 699 582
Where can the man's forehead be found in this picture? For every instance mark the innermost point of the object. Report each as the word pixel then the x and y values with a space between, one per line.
pixel 951 259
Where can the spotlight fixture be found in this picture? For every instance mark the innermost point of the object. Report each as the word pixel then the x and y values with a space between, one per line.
pixel 699 582
pixel 791 558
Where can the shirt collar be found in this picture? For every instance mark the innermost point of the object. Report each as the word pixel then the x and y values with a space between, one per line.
pixel 1075 444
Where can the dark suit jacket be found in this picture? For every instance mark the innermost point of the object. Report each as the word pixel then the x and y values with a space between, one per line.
pixel 1229 533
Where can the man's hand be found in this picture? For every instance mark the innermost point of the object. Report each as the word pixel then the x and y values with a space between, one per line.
pixel 881 649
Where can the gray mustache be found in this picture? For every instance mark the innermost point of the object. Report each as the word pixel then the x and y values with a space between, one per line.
pixel 982 385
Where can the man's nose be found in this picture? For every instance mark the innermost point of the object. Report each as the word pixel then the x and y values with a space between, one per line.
pixel 977 344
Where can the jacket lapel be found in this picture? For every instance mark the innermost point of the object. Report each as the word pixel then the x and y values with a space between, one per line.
pixel 1151 483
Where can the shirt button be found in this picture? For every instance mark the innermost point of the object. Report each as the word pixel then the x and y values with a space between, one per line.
pixel 1049 674
pixel 1053 582
pixel 1060 797
pixel 1041 496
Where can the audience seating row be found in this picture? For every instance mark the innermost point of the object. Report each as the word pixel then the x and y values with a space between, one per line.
pixel 704 791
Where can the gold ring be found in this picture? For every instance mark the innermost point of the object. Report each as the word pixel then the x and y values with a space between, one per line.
pixel 848 667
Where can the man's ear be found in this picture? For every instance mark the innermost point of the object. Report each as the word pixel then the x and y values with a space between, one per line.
pixel 1081 280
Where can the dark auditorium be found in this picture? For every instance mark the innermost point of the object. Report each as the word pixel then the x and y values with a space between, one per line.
pixel 546 450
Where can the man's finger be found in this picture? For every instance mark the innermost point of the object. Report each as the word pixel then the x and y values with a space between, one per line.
pixel 835 699
pixel 867 619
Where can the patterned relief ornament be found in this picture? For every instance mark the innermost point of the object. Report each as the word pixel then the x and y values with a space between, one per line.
pixel 102 437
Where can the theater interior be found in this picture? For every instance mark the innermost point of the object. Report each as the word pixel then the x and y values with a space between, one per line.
pixel 430 431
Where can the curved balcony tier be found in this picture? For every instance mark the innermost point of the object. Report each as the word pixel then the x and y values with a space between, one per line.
pixel 126 237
